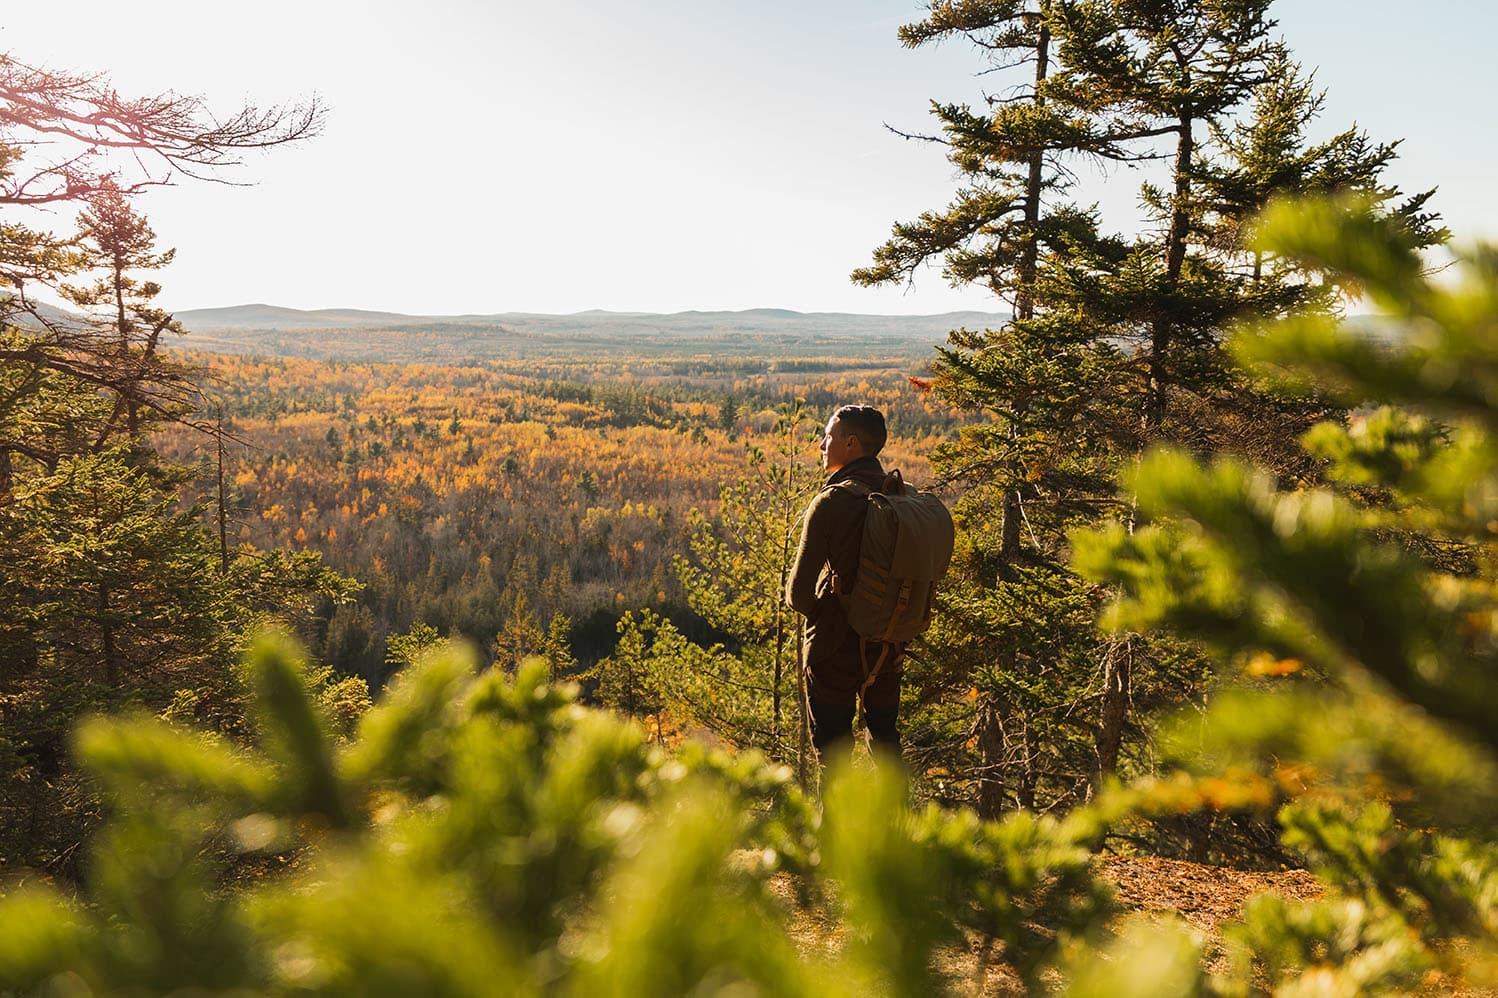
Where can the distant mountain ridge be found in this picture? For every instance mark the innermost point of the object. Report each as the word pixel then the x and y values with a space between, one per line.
pixel 260 315
pixel 264 316
pixel 756 337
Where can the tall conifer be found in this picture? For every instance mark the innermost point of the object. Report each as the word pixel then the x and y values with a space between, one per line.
pixel 1114 343
pixel 1000 231
pixel 110 592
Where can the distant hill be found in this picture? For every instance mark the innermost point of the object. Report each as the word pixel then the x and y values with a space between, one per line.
pixel 356 334
pixel 60 318
pixel 261 316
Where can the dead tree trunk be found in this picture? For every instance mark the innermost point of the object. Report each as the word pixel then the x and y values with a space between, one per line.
pixel 1118 663
pixel 991 758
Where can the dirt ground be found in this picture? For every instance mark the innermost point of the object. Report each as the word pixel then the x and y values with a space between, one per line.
pixel 1204 896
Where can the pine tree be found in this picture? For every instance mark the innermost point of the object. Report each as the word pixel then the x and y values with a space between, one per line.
pixel 740 562
pixel 119 244
pixel 1114 343
pixel 744 687
pixel 521 636
pixel 1354 619
pixel 1029 379
pixel 1192 69
pixel 113 592
pixel 488 829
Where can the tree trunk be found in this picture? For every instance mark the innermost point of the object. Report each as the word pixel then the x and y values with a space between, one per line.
pixel 1024 297
pixel 1118 665
pixel 779 654
pixel 1199 836
pixel 1119 658
pixel 223 526
pixel 803 736
pixel 1180 216
pixel 107 645
pixel 1163 329
pixel 1029 775
pixel 629 690
pixel 991 749
pixel 991 757
pixel 992 753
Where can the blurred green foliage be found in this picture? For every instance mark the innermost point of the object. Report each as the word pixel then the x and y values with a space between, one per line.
pixel 1360 618
pixel 484 834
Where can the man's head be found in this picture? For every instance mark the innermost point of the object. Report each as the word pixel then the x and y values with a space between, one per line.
pixel 854 431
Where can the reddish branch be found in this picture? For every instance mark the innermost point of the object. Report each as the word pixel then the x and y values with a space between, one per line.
pixel 79 118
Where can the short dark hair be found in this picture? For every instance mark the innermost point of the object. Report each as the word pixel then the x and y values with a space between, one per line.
pixel 867 424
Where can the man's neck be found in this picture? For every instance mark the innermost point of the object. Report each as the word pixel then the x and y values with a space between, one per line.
pixel 854 466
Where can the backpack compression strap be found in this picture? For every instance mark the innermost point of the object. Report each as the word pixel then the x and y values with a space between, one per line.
pixel 871 674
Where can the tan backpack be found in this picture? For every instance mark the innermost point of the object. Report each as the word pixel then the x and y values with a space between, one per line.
pixel 907 545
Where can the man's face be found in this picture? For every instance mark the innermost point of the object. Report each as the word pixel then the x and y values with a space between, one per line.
pixel 839 447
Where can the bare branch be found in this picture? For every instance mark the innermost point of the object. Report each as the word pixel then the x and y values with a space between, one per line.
pixel 82 119
pixel 916 136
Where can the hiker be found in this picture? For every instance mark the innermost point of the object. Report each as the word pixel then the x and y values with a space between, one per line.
pixel 834 658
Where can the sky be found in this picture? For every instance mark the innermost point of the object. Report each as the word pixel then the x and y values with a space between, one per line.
pixel 655 155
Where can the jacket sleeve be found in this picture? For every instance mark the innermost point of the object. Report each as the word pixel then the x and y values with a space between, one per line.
pixel 811 556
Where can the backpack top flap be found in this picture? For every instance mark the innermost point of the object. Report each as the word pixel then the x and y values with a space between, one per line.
pixel 925 536
pixel 907 533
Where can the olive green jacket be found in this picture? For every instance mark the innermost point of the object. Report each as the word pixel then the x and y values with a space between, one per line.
pixel 830 536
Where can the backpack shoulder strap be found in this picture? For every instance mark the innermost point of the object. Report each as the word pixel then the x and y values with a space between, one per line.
pixel 852 485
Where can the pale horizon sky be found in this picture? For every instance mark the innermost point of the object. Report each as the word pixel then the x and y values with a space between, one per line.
pixel 658 156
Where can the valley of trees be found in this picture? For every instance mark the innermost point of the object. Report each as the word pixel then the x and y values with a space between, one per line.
pixel 475 499
pixel 1224 586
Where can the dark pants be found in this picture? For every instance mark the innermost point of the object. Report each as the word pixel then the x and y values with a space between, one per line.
pixel 832 727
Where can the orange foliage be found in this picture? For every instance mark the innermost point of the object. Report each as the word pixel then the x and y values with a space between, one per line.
pixel 449 489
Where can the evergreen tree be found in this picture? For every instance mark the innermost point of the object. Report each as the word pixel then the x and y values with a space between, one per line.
pixel 521 637
pixel 557 648
pixel 113 592
pixel 1354 620
pixel 740 562
pixel 483 830
pixel 1114 343
pixel 645 661
pixel 119 244
pixel 744 689
pixel 1030 378
pixel 1194 71
pixel 401 650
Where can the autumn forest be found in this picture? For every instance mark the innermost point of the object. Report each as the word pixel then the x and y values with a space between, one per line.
pixel 346 652
pixel 472 499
